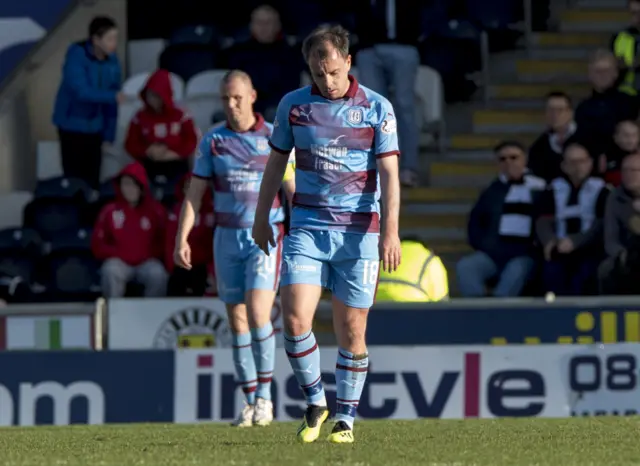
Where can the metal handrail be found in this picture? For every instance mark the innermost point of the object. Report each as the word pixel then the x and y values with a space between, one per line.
pixel 486 72
pixel 528 26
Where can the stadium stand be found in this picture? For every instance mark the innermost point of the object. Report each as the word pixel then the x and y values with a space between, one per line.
pixel 458 41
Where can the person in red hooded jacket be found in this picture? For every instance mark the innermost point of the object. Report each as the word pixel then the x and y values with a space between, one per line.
pixel 161 136
pixel 192 282
pixel 129 237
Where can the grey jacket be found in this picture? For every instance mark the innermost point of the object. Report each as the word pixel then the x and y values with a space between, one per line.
pixel 619 210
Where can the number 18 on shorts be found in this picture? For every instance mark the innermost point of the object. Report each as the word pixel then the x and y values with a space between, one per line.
pixel 345 263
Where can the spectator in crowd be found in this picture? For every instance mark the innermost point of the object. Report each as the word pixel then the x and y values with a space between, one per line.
pixel 625 47
pixel 86 106
pixel 619 272
pixel 129 237
pixel 626 141
pixel 388 33
pixel 501 229
pixel 545 154
pixel 599 114
pixel 192 282
pixel 570 225
pixel 273 65
pixel 161 135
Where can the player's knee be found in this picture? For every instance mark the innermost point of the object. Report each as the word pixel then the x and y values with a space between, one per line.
pixel 238 321
pixel 259 307
pixel 294 325
pixel 351 333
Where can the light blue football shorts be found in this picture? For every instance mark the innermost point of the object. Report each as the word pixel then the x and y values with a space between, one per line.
pixel 242 266
pixel 347 264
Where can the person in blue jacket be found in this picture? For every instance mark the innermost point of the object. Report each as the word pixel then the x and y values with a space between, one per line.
pixel 86 107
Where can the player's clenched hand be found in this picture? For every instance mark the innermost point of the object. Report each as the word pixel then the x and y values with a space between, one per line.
pixel 263 235
pixel 182 255
pixel 390 252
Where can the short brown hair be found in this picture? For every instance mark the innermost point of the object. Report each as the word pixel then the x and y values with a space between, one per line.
pixel 316 42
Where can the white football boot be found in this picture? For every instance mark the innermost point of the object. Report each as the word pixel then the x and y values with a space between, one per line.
pixel 263 412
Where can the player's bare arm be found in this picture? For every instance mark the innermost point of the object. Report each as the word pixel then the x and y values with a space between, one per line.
pixel 271 182
pixel 191 205
pixel 390 250
pixel 289 187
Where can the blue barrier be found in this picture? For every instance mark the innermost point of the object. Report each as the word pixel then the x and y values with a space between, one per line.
pixel 473 322
pixel 86 387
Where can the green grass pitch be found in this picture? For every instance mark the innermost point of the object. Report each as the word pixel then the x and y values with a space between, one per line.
pixel 512 442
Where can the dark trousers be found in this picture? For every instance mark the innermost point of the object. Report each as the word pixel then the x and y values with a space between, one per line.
pixel 171 171
pixel 184 282
pixel 81 156
pixel 568 275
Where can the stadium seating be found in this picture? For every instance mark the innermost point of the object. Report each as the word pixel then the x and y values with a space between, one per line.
pixel 430 111
pixel 202 109
pixel 493 15
pixel 69 271
pixel 143 55
pixel 205 83
pixel 58 206
pixel 106 194
pixel 20 251
pixel 134 84
pixel 202 34
pixel 187 60
pixel 48 163
pixel 202 97
pixel 12 205
pixel 126 111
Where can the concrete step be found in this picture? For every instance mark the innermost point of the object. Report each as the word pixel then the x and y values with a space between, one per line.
pixel 571 39
pixel 448 247
pixel 536 91
pixel 443 220
pixel 486 142
pixel 593 19
pixel 470 156
pixel 601 4
pixel 561 53
pixel 471 174
pixel 538 70
pixel 421 196
pixel 508 121
pixel 426 210
pixel 432 234
pixel 456 168
pixel 518 104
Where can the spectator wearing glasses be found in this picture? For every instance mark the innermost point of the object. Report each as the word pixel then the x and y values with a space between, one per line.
pixel 545 154
pixel 501 229
pixel 570 226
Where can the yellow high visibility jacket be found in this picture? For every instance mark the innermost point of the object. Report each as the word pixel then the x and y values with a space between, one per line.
pixel 624 48
pixel 421 277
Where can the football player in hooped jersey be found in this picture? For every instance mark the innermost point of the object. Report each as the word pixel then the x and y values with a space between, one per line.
pixel 346 149
pixel 234 155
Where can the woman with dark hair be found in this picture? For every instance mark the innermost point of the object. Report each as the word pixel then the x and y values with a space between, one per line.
pixel 86 107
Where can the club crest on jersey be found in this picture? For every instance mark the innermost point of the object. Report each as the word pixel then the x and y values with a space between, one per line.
pixel 354 115
pixel 262 144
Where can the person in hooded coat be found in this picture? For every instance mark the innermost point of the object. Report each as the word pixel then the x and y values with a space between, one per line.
pixel 161 136
pixel 129 237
